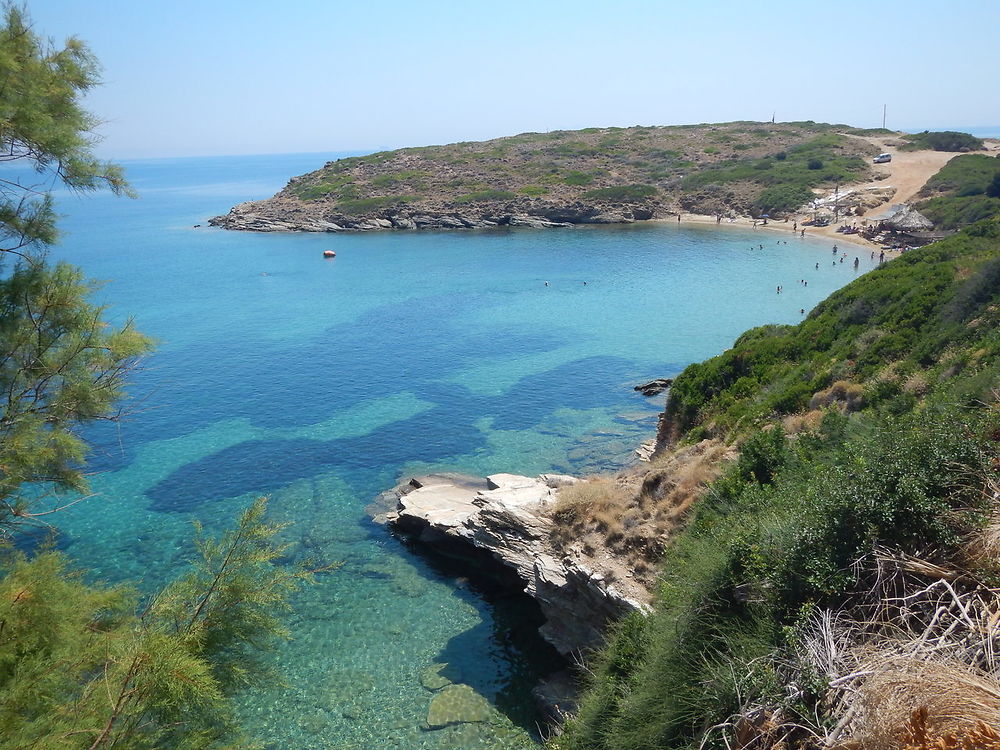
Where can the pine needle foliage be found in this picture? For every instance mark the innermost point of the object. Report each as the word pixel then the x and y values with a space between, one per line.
pixel 44 127
pixel 87 666
pixel 61 364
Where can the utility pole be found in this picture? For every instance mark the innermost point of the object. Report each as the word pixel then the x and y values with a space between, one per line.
pixel 883 117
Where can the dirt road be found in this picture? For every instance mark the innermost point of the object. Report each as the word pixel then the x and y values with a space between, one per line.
pixel 908 171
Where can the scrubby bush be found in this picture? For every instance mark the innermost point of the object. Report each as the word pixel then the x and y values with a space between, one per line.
pixel 909 310
pixel 622 193
pixel 944 140
pixel 359 206
pixel 577 178
pixel 745 571
pixel 491 194
pixel 781 199
pixel 993 189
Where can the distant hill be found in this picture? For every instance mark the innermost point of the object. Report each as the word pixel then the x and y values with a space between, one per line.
pixel 595 175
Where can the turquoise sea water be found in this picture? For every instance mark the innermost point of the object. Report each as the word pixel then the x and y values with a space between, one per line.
pixel 322 382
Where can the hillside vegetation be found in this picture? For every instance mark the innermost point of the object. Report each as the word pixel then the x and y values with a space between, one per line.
pixel 941 140
pixel 574 176
pixel 836 584
pixel 618 164
pixel 966 190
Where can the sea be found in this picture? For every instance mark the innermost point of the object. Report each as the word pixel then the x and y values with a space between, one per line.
pixel 321 383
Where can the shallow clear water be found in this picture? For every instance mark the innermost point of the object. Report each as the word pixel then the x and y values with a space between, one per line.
pixel 321 382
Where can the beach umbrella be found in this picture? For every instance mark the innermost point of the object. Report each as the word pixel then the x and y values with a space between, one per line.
pixel 909 220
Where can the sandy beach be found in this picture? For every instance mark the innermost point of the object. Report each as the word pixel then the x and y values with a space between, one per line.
pixel 907 173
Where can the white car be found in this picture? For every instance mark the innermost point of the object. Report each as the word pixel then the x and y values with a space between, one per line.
pixel 882 158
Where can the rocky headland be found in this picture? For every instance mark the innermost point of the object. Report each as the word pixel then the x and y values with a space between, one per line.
pixel 505 527
pixel 562 178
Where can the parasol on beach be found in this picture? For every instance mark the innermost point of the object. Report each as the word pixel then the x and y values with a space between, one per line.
pixel 909 220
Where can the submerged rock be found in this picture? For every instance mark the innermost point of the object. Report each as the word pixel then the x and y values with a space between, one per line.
pixel 433 679
pixel 457 704
pixel 654 387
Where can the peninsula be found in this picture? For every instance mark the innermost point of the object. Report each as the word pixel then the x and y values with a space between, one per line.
pixel 590 176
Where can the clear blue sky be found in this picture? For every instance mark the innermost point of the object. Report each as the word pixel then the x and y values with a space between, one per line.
pixel 252 76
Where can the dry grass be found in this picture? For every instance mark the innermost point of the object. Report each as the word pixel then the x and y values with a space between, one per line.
pixel 919 735
pixel 916 384
pixel 809 421
pixel 847 395
pixel 951 700
pixel 632 515
pixel 981 550
pixel 922 639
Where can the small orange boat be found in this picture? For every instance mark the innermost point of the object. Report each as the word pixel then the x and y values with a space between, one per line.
pixel 329 254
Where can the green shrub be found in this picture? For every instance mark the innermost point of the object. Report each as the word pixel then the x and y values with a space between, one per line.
pixel 993 189
pixel 954 212
pixel 360 206
pixel 944 140
pixel 969 174
pixel 533 190
pixel 622 193
pixel 490 194
pixel 578 178
pixel 795 170
pixel 781 199
pixel 747 570
pixel 902 311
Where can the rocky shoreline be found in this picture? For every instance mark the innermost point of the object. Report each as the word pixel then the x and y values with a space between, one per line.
pixel 290 215
pixel 502 526
pixel 505 528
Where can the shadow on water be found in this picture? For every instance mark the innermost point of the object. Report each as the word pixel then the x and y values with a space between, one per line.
pixel 447 430
pixel 396 348
pixel 513 630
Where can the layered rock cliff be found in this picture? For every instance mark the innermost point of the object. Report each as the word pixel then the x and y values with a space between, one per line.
pixel 507 528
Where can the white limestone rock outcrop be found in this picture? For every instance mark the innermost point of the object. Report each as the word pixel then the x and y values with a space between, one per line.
pixel 509 523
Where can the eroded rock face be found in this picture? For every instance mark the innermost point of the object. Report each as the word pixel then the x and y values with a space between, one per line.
pixel 508 523
pixel 288 214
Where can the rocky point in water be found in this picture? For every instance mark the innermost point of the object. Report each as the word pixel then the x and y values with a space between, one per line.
pixel 506 528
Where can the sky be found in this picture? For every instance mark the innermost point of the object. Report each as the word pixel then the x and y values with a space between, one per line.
pixel 215 77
